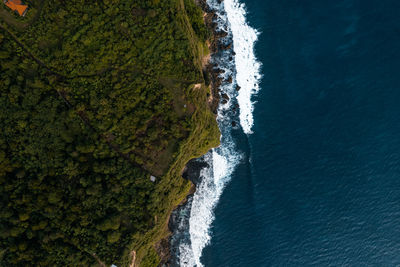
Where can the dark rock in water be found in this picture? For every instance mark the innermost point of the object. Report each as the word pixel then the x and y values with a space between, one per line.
pixel 237 87
pixel 178 224
pixel 219 71
pixel 179 219
pixel 205 7
pixel 221 34
pixel 192 170
pixel 224 101
pixel 226 47
pixel 225 96
pixel 234 123
pixel 229 79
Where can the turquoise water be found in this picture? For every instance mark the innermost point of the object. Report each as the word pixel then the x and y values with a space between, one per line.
pixel 318 183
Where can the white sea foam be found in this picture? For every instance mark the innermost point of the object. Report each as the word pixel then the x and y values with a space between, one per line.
pixel 247 67
pixel 223 160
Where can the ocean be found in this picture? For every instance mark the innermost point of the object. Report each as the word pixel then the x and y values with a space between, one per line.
pixel 311 174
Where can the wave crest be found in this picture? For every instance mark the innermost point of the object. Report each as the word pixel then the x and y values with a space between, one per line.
pixel 247 66
pixel 222 161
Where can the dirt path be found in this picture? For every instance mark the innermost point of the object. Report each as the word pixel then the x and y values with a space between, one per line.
pixel 197 86
pixel 41 63
pixel 82 115
pixel 44 65
pixel 206 59
pixel 133 254
pixel 102 264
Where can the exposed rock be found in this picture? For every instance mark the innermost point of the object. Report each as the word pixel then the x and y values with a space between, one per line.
pixel 229 80
pixel 225 96
pixel 211 73
pixel 226 47
pixel 163 251
pixel 221 34
pixel 192 170
pixel 219 71
pixel 237 88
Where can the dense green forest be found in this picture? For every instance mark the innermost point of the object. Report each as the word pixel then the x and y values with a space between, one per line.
pixel 95 97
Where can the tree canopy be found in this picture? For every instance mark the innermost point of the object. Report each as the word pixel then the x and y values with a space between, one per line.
pixel 96 96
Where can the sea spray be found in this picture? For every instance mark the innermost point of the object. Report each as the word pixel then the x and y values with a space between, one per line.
pixel 222 162
pixel 193 220
pixel 247 67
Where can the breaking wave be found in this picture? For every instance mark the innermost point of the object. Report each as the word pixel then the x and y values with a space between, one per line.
pixel 240 65
pixel 247 67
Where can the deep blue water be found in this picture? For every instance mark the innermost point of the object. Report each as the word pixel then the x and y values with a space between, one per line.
pixel 321 182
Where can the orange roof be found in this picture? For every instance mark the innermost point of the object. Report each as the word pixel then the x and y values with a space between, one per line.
pixel 17 5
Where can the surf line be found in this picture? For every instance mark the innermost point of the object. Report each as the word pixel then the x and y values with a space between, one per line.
pixel 248 68
pixel 242 68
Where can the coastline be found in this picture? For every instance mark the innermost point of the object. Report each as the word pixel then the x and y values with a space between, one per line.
pixel 192 172
pixel 233 73
pixel 230 78
pixel 190 126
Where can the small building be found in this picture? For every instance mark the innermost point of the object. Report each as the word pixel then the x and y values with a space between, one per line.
pixel 17 6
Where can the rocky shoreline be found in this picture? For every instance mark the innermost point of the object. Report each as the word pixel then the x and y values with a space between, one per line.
pixel 211 70
pixel 179 218
pixel 165 251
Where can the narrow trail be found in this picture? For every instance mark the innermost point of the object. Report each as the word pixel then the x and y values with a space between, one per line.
pixel 102 264
pixel 82 115
pixel 133 255
pixel 37 60
pixel 50 69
